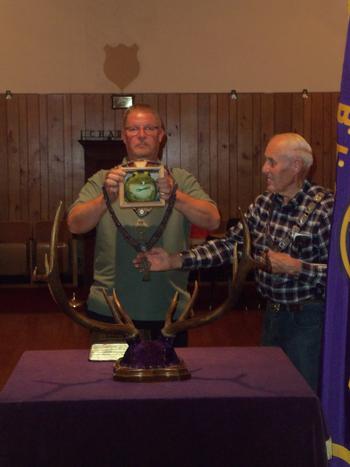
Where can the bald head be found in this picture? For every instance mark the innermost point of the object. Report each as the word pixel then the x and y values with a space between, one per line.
pixel 295 147
pixel 288 158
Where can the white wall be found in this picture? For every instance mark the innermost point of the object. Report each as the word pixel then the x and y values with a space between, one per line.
pixel 49 46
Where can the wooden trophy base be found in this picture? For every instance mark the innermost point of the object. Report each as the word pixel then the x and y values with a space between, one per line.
pixel 171 373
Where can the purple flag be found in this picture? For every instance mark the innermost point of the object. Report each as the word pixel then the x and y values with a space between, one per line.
pixel 336 353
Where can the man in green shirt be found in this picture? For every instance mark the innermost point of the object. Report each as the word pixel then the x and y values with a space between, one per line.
pixel 145 301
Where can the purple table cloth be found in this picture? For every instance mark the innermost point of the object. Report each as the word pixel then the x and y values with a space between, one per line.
pixel 242 407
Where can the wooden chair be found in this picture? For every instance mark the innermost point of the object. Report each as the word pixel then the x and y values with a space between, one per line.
pixel 15 252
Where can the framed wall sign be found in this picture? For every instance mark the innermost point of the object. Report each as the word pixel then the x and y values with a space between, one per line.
pixel 121 101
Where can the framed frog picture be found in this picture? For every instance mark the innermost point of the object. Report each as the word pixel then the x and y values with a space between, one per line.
pixel 140 187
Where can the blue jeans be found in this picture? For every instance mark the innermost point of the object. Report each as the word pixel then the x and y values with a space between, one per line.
pixel 299 334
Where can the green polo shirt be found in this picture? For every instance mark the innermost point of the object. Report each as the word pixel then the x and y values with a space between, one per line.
pixel 113 266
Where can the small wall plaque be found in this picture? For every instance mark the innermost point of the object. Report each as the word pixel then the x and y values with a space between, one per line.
pixel 120 101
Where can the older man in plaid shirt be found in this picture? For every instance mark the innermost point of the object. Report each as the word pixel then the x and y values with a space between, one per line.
pixel 290 227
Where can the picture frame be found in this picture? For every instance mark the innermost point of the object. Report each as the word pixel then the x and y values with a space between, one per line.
pixel 121 101
pixel 139 189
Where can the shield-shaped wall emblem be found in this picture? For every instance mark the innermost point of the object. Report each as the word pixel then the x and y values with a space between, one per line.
pixel 121 65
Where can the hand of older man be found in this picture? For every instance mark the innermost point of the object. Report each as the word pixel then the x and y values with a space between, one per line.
pixel 282 263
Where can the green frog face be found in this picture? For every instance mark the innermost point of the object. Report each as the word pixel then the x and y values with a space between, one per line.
pixel 140 186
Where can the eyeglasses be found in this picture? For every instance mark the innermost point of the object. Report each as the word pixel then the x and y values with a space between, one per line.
pixel 149 130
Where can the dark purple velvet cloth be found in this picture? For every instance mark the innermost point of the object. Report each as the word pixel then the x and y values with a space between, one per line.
pixel 159 353
pixel 242 407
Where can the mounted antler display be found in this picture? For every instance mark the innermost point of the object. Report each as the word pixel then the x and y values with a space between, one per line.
pixel 147 360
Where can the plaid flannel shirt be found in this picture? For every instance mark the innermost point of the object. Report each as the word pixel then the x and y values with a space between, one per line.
pixel 269 222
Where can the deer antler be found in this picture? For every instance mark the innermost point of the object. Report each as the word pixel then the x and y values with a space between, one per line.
pixel 239 274
pixel 171 328
pixel 124 328
pixel 124 325
pixel 247 263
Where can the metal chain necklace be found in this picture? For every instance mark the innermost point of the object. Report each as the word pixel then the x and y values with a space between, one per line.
pixel 142 247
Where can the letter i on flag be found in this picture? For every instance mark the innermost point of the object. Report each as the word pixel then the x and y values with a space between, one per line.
pixel 336 350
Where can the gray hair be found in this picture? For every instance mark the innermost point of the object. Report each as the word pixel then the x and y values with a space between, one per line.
pixel 298 147
pixel 142 108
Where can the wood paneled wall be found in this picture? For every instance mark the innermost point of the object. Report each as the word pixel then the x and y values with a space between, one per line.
pixel 219 140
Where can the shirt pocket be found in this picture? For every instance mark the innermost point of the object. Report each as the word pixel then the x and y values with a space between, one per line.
pixel 302 244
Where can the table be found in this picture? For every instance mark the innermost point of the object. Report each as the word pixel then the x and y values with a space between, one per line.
pixel 242 407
